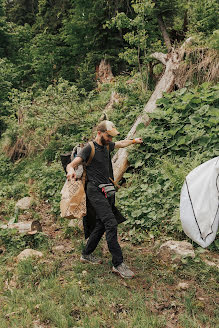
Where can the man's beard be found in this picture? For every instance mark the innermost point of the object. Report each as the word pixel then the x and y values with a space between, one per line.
pixel 104 142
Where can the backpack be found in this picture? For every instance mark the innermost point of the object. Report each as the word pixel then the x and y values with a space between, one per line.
pixel 69 157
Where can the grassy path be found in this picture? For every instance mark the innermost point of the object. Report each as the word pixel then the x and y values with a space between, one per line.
pixel 59 291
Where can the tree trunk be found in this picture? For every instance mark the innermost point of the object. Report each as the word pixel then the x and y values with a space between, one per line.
pixel 166 84
pixel 164 32
pixel 31 227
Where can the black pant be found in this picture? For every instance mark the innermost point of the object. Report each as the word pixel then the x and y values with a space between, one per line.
pixel 105 221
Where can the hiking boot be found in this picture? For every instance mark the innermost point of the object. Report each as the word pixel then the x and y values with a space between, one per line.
pixel 123 271
pixel 90 259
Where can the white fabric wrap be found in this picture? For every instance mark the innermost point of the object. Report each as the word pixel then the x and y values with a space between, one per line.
pixel 199 203
pixel 80 169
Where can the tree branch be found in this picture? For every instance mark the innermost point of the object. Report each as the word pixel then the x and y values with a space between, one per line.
pixel 161 57
pixel 164 32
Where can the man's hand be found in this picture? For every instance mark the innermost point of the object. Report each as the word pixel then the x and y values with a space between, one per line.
pixel 138 140
pixel 71 174
pixel 71 166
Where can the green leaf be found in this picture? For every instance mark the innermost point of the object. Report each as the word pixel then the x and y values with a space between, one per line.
pixel 139 164
pixel 214 112
pixel 193 120
pixel 214 120
pixel 187 97
pixel 204 109
pixel 162 101
pixel 203 140
pixel 181 140
pixel 182 91
pixel 127 175
pixel 173 131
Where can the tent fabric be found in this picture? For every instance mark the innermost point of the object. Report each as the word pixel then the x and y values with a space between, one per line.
pixel 199 203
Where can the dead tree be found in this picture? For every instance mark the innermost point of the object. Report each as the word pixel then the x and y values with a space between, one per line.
pixel 171 61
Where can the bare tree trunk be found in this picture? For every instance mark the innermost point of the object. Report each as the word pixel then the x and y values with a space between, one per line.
pixel 166 84
pixel 164 32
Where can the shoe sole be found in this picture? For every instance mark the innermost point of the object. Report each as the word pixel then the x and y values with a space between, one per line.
pixel 121 275
pixel 87 261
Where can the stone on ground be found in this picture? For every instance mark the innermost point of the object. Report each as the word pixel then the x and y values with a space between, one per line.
pixel 183 285
pixel 177 249
pixel 24 203
pixel 58 248
pixel 29 253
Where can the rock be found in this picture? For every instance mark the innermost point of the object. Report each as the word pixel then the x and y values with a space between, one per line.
pixel 24 203
pixel 201 298
pixel 212 263
pixel 179 249
pixel 183 285
pixel 28 253
pixel 59 248
pixel 37 324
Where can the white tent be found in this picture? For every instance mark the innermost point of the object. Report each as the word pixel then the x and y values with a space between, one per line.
pixel 199 203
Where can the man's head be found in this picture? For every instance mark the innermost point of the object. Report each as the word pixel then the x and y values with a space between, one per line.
pixel 106 131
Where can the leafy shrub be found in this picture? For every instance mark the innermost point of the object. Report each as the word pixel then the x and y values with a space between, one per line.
pixel 34 123
pixel 182 135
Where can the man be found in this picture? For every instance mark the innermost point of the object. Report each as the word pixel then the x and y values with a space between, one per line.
pixel 99 171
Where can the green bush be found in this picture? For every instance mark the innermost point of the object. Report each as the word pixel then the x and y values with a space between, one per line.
pixel 183 134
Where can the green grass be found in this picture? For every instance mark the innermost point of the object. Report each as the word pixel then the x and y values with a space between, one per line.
pixel 59 291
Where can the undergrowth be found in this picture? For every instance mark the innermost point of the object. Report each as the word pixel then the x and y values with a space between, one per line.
pixel 183 134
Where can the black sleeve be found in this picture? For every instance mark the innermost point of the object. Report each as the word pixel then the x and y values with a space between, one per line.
pixel 111 146
pixel 85 153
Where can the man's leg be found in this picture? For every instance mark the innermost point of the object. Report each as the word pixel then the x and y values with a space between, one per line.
pixel 94 238
pixel 106 217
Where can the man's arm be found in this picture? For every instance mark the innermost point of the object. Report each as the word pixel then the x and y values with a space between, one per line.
pixel 125 143
pixel 71 168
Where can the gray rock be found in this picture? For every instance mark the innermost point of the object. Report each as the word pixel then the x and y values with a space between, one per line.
pixel 183 285
pixel 212 263
pixel 24 203
pixel 179 249
pixel 29 253
pixel 59 248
